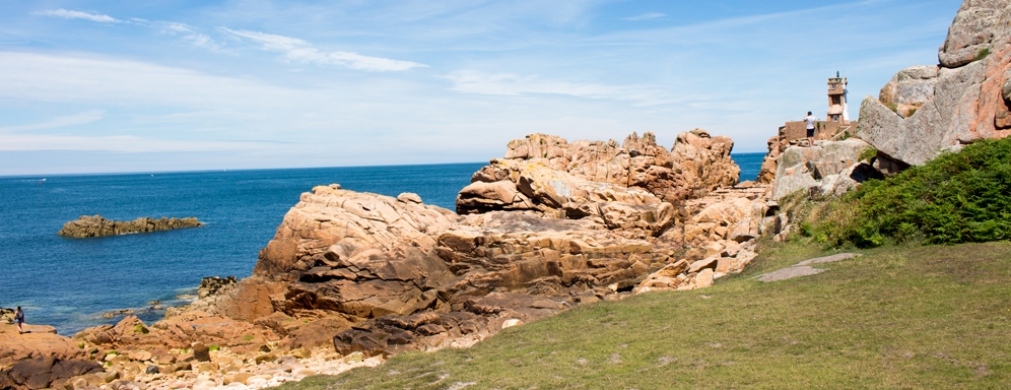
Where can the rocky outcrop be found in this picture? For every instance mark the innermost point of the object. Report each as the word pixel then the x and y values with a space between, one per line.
pixel 37 341
pixel 820 167
pixel 37 358
pixel 963 103
pixel 550 226
pixel 525 179
pixel 794 134
pixel 44 371
pixel 97 226
pixel 909 89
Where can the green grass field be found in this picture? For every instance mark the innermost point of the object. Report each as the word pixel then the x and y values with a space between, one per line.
pixel 907 317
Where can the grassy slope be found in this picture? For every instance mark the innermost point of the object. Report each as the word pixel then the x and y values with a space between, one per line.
pixel 899 317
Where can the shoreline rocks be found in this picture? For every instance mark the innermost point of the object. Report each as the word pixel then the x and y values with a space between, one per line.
pixel 366 276
pixel 88 226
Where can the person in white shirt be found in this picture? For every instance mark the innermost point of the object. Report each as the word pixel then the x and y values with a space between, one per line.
pixel 810 121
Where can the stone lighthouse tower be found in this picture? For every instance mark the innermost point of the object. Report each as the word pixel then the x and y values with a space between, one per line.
pixel 837 110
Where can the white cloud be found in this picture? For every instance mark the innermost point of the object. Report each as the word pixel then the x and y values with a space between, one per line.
pixel 71 14
pixel 54 78
pixel 508 84
pixel 116 143
pixel 645 16
pixel 298 50
pixel 189 34
pixel 58 122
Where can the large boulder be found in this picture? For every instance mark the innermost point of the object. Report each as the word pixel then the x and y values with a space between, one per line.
pixel 535 186
pixel 802 168
pixel 703 164
pixel 38 341
pixel 967 101
pixel 909 89
pixel 980 27
pixel 40 372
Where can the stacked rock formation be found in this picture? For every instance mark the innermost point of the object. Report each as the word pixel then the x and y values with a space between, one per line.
pixel 97 226
pixel 697 163
pixel 926 110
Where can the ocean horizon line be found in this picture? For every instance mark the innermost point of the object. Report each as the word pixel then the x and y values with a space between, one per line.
pixel 43 176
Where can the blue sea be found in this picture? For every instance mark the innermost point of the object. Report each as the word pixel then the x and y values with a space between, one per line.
pixel 71 283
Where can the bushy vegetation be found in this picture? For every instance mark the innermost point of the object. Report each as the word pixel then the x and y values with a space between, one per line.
pixel 957 197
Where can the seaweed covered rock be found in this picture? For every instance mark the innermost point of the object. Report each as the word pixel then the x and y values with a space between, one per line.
pixel 97 226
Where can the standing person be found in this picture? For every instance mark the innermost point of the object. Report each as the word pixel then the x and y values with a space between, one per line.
pixel 19 316
pixel 810 121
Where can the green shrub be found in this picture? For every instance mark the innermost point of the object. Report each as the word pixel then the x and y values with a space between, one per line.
pixel 868 154
pixel 957 197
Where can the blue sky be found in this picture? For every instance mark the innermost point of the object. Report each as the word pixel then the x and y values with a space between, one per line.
pixel 139 86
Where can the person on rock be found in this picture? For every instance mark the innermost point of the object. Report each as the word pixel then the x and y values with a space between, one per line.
pixel 19 316
pixel 810 121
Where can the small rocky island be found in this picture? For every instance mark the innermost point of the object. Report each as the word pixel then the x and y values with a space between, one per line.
pixel 97 226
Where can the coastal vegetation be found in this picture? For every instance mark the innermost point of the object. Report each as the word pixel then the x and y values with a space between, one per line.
pixel 905 316
pixel 955 198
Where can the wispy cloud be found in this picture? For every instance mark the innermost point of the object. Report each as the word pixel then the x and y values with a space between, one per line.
pixel 189 34
pixel 72 14
pixel 508 84
pixel 115 143
pixel 645 16
pixel 298 50
pixel 58 122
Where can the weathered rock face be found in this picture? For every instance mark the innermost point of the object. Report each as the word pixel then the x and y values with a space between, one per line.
pixel 767 173
pixel 43 371
pixel 909 89
pixel 97 226
pixel 979 25
pixel 535 186
pixel 368 256
pixel 967 102
pixel 37 358
pixel 802 168
pixel 38 341
pixel 703 164
pixel 540 173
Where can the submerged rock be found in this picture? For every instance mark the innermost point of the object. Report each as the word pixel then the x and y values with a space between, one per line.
pixel 97 226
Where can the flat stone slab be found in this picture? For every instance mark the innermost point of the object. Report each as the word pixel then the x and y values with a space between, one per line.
pixel 803 268
pixel 829 259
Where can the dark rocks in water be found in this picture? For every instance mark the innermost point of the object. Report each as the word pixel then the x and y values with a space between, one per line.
pixel 97 226
pixel 212 284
